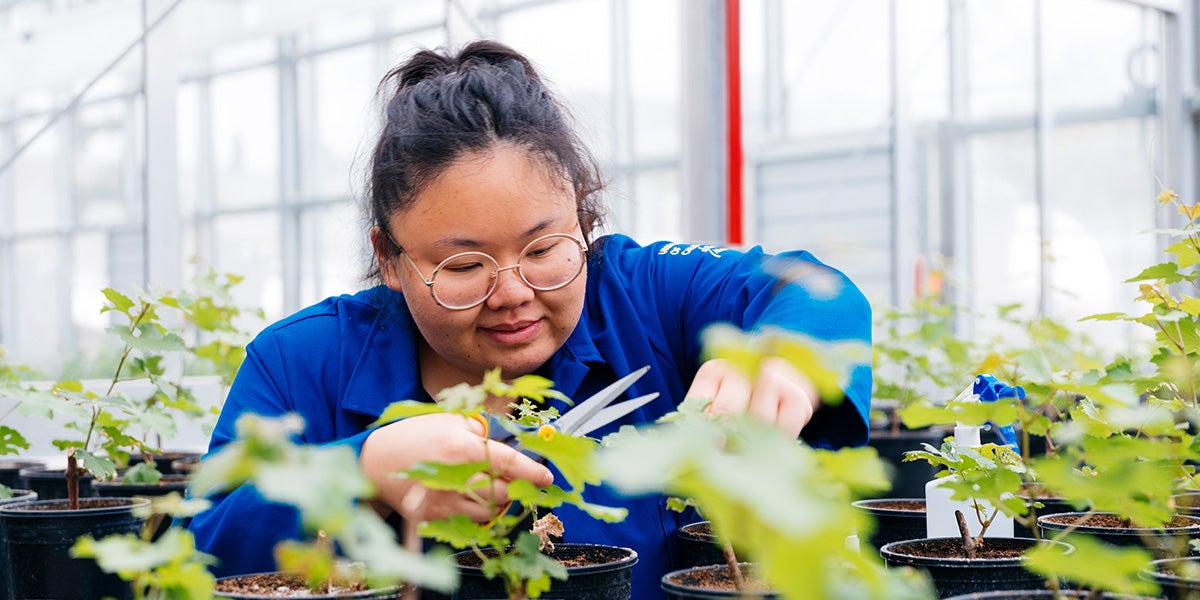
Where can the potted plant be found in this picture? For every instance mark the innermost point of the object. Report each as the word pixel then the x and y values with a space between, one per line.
pixel 748 479
pixel 507 556
pixel 350 551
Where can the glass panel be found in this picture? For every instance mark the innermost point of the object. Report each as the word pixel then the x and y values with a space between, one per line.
pixel 1004 248
pixel 245 125
pixel 37 177
pixel 655 77
pixel 39 302
pixel 835 66
pixel 656 213
pixel 999 72
pixel 248 244
pixel 102 152
pixel 187 146
pixel 334 253
pixel 90 275
pixel 1096 65
pixel 1095 251
pixel 341 86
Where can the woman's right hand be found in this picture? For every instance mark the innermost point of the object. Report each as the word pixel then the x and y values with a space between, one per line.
pixel 447 439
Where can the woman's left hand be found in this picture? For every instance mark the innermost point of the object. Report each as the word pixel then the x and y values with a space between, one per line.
pixel 780 395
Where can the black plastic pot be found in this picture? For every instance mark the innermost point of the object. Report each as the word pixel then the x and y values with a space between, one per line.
pixel 1051 505
pixel 954 576
pixel 690 583
pixel 388 593
pixel 908 478
pixel 17 496
pixel 696 546
pixel 165 462
pixel 52 483
pixel 896 519
pixel 1179 578
pixel 10 471
pixel 38 536
pixel 610 579
pixel 120 489
pixel 1168 542
pixel 184 465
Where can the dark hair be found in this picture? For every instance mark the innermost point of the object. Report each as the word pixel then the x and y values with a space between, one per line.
pixel 441 106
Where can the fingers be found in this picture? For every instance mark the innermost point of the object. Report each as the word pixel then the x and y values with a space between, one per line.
pixel 780 395
pixel 510 465
pixel 725 385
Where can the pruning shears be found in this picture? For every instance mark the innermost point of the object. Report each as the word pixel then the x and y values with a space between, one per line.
pixel 586 416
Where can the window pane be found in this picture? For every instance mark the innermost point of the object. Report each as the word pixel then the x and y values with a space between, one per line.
pixel 39 304
pixel 248 245
pixel 1000 62
pixel 245 122
pixel 835 66
pixel 655 77
pixel 340 89
pixel 103 158
pixel 333 253
pixel 37 178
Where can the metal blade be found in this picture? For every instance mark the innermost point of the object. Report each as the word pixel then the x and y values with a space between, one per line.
pixel 614 412
pixel 585 410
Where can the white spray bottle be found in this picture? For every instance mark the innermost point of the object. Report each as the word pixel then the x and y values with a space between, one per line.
pixel 940 520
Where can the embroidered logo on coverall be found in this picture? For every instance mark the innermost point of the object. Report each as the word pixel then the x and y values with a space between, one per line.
pixel 686 249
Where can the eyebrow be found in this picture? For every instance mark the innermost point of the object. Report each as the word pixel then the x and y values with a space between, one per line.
pixel 457 242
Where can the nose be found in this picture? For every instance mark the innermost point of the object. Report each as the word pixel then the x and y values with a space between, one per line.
pixel 510 290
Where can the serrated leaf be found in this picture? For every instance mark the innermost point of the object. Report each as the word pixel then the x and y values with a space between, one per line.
pixel 118 301
pixel 404 409
pixel 1120 572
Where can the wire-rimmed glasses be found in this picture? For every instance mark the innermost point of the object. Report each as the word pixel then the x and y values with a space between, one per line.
pixel 467 279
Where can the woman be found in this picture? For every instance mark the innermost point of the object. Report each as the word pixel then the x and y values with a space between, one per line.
pixel 483 208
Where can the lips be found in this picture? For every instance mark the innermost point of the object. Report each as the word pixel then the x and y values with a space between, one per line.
pixel 514 333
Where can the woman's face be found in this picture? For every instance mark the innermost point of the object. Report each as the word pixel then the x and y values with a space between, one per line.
pixel 495 202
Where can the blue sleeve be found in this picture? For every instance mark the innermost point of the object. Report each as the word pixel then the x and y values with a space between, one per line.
pixel 242 528
pixel 698 285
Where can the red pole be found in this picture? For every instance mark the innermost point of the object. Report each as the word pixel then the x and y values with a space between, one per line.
pixel 733 87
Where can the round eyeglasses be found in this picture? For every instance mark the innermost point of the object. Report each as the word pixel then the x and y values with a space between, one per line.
pixel 467 279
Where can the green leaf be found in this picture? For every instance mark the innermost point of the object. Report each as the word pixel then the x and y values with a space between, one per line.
pixel 101 467
pixel 142 472
pixel 11 441
pixel 458 531
pixel 459 477
pixel 405 409
pixel 573 455
pixel 1168 272
pixel 1120 572
pixel 117 301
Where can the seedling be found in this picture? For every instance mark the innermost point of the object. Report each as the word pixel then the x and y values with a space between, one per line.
pixel 505 550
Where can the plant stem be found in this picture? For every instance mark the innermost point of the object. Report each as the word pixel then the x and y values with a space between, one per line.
pixel 969 544
pixel 735 570
pixel 72 481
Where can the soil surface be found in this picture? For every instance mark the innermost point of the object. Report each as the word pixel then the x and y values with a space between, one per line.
pixel 717 578
pixel 701 531
pixel 278 585
pixel 904 505
pixel 83 503
pixel 1110 521
pixel 567 556
pixel 990 548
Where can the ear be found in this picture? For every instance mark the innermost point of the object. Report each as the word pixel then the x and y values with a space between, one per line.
pixel 385 253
